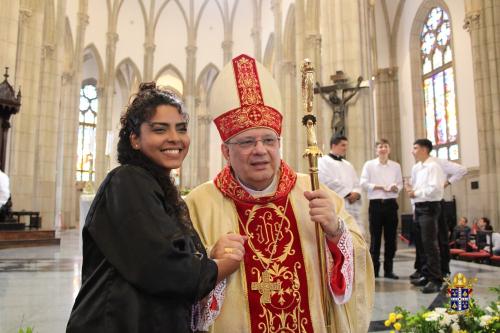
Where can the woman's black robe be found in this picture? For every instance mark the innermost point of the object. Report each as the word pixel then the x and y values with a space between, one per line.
pixel 141 269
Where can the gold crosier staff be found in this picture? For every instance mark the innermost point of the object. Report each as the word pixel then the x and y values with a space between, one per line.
pixel 312 152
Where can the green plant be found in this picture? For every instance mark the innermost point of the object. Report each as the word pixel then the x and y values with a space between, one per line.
pixel 26 330
pixel 442 320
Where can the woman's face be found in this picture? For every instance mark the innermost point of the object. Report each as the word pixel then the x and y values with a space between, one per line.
pixel 481 224
pixel 163 138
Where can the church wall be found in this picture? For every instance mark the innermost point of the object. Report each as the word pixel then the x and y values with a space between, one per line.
pixel 382 43
pixel 209 38
pixel 9 16
pixel 170 39
pixel 130 31
pixel 97 27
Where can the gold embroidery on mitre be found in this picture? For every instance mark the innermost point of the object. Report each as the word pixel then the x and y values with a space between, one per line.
pixel 247 82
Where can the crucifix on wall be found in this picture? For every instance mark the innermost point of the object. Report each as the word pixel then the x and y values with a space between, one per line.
pixel 337 96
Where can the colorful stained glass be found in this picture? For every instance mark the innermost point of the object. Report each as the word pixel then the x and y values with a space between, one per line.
pixel 85 168
pixel 437 59
pixel 442 153
pixel 427 67
pixel 447 55
pixel 439 86
pixel 454 152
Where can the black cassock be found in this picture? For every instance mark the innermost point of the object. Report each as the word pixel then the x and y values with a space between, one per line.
pixel 141 270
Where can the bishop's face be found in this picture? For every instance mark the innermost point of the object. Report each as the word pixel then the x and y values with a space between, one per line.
pixel 163 139
pixel 254 156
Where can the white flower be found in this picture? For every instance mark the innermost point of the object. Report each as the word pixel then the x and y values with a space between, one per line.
pixel 432 316
pixel 455 328
pixel 484 320
pixel 488 309
pixel 440 310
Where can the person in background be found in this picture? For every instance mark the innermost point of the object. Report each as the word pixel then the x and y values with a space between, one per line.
pixel 382 179
pixel 426 192
pixel 483 224
pixel 144 266
pixel 5 203
pixel 339 175
pixel 461 233
pixel 453 172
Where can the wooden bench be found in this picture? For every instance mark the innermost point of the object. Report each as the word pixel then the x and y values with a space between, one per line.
pixel 35 221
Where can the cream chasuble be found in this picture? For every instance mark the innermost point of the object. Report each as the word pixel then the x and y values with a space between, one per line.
pixel 214 214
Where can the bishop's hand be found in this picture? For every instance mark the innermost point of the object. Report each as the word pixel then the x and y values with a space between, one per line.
pixel 322 211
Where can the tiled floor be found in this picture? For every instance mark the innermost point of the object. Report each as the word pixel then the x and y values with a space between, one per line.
pixel 38 286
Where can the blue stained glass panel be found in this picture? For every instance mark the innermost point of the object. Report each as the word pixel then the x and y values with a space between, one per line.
pixel 86 132
pixel 435 18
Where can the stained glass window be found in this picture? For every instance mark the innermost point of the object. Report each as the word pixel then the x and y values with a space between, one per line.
pixel 439 84
pixel 85 167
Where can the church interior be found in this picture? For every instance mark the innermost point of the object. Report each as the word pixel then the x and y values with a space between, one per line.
pixel 415 69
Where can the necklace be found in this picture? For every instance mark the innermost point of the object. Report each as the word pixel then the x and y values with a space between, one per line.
pixel 264 285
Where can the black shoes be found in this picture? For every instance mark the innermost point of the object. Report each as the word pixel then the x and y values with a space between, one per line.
pixel 422 281
pixel 431 287
pixel 391 275
pixel 416 275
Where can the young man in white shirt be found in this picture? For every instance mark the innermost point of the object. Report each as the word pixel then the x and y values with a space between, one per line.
pixel 382 180
pixel 339 175
pixel 426 192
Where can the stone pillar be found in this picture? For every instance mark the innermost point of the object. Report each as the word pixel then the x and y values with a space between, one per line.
pixel 72 82
pixel 227 49
pixel 189 172
pixel 149 53
pixel 293 145
pixel 105 108
pixel 387 109
pixel 22 141
pixel 483 27
pixel 8 37
pixel 257 30
pixel 203 131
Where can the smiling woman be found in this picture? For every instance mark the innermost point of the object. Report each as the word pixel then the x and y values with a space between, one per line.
pixel 142 260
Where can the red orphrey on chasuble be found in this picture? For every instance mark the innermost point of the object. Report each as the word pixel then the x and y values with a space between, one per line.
pixel 252 111
pixel 274 263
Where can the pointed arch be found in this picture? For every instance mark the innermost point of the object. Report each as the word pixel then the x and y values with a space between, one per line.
pixel 417 77
pixel 268 59
pixel 128 78
pixel 171 77
pixel 69 51
pixel 206 79
pixel 92 64
pixel 289 35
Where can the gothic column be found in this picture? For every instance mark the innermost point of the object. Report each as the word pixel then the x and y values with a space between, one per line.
pixel 291 145
pixel 227 49
pixel 27 74
pixel 149 52
pixel 189 168
pixel 72 81
pixel 203 131
pixel 105 108
pixel 387 109
pixel 482 22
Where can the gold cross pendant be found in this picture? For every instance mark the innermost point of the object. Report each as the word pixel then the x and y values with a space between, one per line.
pixel 265 287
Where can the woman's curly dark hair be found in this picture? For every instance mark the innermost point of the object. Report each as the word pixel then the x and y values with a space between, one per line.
pixel 142 109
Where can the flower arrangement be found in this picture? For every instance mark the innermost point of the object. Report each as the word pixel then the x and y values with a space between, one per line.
pixel 443 320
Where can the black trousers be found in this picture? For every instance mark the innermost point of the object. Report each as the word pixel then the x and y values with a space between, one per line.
pixel 426 239
pixel 444 242
pixel 444 245
pixel 383 218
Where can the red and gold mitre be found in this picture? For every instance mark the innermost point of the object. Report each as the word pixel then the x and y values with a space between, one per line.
pixel 245 95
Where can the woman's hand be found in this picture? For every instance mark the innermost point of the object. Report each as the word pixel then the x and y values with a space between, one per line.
pixel 228 252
